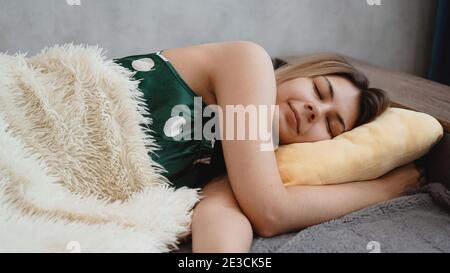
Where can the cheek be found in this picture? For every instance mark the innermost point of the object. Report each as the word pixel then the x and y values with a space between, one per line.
pixel 282 95
pixel 291 90
pixel 317 132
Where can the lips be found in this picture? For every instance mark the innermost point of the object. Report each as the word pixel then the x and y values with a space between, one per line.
pixel 297 117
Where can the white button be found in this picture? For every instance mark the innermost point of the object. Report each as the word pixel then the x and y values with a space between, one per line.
pixel 144 64
pixel 174 126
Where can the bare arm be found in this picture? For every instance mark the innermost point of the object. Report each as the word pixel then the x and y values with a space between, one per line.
pixel 312 205
pixel 242 74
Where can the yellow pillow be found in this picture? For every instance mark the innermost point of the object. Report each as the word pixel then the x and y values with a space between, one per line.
pixel 395 138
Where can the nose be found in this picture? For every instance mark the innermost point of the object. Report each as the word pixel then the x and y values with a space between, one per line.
pixel 312 112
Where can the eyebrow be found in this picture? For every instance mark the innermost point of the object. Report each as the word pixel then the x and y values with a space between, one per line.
pixel 330 87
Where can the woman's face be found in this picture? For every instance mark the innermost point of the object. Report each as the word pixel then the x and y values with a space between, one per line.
pixel 314 109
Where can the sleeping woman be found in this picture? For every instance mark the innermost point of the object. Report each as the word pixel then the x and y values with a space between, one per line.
pixel 319 97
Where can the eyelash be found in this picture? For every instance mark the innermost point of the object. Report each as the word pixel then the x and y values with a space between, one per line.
pixel 316 90
pixel 329 129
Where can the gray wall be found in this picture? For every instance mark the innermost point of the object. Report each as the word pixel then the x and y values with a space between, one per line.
pixel 396 34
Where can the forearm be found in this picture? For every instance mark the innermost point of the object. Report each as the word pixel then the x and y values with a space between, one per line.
pixel 245 78
pixel 311 205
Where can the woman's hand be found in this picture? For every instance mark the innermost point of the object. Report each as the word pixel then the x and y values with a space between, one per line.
pixel 403 179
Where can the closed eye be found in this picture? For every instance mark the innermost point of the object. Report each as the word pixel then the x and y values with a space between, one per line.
pixel 328 128
pixel 316 90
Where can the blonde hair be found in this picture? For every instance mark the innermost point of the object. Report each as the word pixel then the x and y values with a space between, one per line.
pixel 373 101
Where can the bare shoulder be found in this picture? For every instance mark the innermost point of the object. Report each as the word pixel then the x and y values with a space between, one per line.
pixel 200 64
pixel 240 68
pixel 207 55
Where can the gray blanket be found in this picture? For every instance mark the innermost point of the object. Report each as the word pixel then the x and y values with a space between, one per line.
pixel 418 222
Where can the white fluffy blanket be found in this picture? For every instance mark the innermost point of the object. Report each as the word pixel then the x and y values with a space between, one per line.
pixel 75 174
